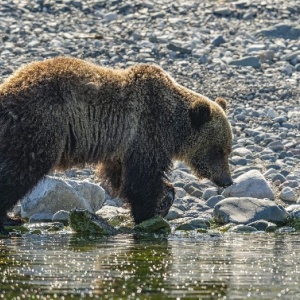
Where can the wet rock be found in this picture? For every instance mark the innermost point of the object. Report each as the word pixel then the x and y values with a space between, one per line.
pixel 115 216
pixel 83 221
pixel 61 216
pixel 174 213
pixel 242 229
pixel 154 225
pixel 251 184
pixel 245 210
pixel 192 224
pixel 263 225
pixel 53 194
pixel 40 217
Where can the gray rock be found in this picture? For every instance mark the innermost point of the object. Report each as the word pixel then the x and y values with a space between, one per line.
pixel 207 193
pixel 276 146
pixel 251 184
pixel 288 194
pixel 242 229
pixel 249 61
pixel 224 11
pixel 53 194
pixel 294 210
pixel 246 210
pixel 61 216
pixel 174 213
pixel 283 31
pixel 193 224
pixel 176 48
pixel 212 201
pixel 263 225
pixel 40 217
pixel 219 40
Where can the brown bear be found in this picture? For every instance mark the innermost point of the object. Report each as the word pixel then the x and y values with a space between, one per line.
pixel 64 111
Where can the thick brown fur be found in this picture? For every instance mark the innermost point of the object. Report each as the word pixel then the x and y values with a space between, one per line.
pixel 64 111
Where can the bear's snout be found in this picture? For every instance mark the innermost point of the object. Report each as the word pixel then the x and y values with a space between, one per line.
pixel 223 182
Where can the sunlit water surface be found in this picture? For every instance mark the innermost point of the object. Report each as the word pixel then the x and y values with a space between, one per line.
pixel 124 267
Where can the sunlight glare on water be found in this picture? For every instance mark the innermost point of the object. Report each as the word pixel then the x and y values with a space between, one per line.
pixel 123 267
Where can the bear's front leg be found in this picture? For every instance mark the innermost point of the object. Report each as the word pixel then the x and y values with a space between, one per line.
pixel 144 188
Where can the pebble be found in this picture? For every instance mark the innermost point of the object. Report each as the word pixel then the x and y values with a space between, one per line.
pixel 288 194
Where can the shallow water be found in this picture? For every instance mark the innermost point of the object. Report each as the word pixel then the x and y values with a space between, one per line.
pixel 229 266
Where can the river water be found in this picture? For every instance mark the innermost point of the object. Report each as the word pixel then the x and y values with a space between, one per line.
pixel 227 266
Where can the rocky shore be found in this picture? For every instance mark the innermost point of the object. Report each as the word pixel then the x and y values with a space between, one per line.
pixel 245 51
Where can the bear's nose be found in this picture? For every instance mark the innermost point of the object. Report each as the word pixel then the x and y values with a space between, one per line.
pixel 227 182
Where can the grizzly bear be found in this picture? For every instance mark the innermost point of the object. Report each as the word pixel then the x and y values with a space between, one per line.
pixel 64 111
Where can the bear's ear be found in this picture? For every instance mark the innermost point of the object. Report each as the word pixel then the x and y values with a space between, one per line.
pixel 200 113
pixel 222 102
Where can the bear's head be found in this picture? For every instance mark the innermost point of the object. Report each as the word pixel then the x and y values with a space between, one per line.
pixel 208 147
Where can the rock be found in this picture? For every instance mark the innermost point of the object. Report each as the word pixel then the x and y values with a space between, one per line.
pixel 207 193
pixel 242 229
pixel 223 11
pixel 83 221
pixel 116 216
pixel 286 229
pixel 283 31
pixel 219 40
pixel 249 61
pixel 251 184
pixel 294 210
pixel 193 224
pixel 154 225
pixel 176 48
pixel 40 217
pixel 212 201
pixel 276 146
pixel 53 194
pixel 245 210
pixel 263 225
pixel 174 213
pixel 61 216
pixel 288 194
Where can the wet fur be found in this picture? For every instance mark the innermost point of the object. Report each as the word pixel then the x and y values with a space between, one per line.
pixel 64 111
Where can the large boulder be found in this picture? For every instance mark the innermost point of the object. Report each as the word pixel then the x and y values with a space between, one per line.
pixel 245 210
pixel 53 194
pixel 251 184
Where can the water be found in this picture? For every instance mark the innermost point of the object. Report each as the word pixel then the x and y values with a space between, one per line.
pixel 229 266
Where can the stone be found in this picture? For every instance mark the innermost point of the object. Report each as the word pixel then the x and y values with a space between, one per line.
pixel 223 11
pixel 193 224
pixel 176 48
pixel 263 225
pixel 249 61
pixel 212 201
pixel 53 194
pixel 61 216
pixel 250 184
pixel 219 40
pixel 207 193
pixel 174 213
pixel 288 194
pixel 283 31
pixel 154 225
pixel 83 221
pixel 245 210
pixel 242 229
pixel 40 217
pixel 276 146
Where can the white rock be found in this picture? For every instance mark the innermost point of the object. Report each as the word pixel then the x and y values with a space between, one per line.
pixel 288 194
pixel 251 184
pixel 53 194
pixel 245 210
pixel 207 193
